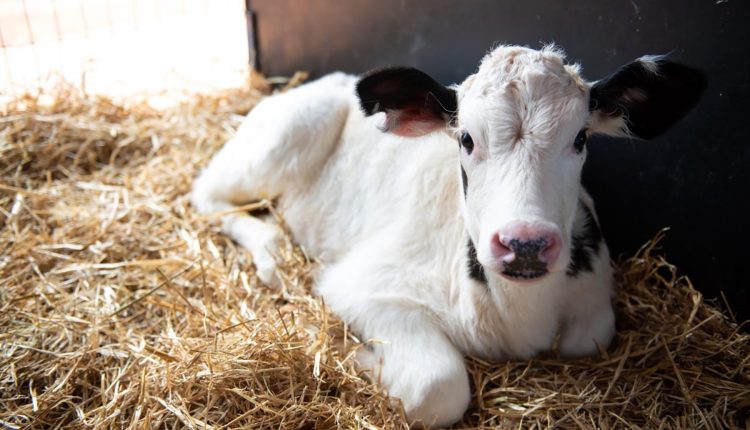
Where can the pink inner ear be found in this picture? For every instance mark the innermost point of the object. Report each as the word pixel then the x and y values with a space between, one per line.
pixel 413 122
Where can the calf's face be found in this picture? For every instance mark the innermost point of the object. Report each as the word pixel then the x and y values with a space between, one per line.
pixel 521 123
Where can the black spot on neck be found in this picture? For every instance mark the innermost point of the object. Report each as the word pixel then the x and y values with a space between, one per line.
pixel 476 271
pixel 587 241
pixel 464 180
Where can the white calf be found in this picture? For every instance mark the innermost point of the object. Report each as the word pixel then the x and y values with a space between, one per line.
pixel 488 246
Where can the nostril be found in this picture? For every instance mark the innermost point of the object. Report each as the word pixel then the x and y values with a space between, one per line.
pixel 499 248
pixel 551 250
pixel 527 242
pixel 526 251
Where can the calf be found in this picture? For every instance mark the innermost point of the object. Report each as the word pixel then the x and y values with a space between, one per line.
pixel 450 220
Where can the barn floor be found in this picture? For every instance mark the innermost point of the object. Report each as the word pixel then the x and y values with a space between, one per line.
pixel 122 308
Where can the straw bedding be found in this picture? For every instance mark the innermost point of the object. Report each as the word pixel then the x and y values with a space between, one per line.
pixel 122 308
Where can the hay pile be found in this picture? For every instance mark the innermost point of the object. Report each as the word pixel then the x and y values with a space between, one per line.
pixel 122 308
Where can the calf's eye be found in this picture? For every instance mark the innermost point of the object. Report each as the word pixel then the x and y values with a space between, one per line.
pixel 466 141
pixel 580 141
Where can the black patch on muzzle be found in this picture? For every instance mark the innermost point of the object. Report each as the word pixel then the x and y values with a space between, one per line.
pixel 585 245
pixel 476 271
pixel 526 263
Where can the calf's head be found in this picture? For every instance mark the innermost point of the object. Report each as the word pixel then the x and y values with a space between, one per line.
pixel 521 123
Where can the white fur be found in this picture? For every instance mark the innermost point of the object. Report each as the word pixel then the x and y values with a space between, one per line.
pixel 387 217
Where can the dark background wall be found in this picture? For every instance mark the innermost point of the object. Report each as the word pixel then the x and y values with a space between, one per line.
pixel 693 179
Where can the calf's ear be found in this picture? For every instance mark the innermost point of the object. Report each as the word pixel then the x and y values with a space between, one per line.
pixel 644 98
pixel 413 102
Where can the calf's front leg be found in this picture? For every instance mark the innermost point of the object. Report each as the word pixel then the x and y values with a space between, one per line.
pixel 407 351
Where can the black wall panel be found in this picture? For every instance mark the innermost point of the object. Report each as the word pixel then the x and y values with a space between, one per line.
pixel 693 179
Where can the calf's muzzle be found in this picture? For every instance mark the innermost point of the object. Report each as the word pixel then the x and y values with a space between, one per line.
pixel 525 251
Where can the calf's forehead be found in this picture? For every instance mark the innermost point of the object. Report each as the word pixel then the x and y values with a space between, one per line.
pixel 546 67
pixel 526 90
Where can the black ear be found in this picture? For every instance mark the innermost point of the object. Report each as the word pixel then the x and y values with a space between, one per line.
pixel 649 94
pixel 414 103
